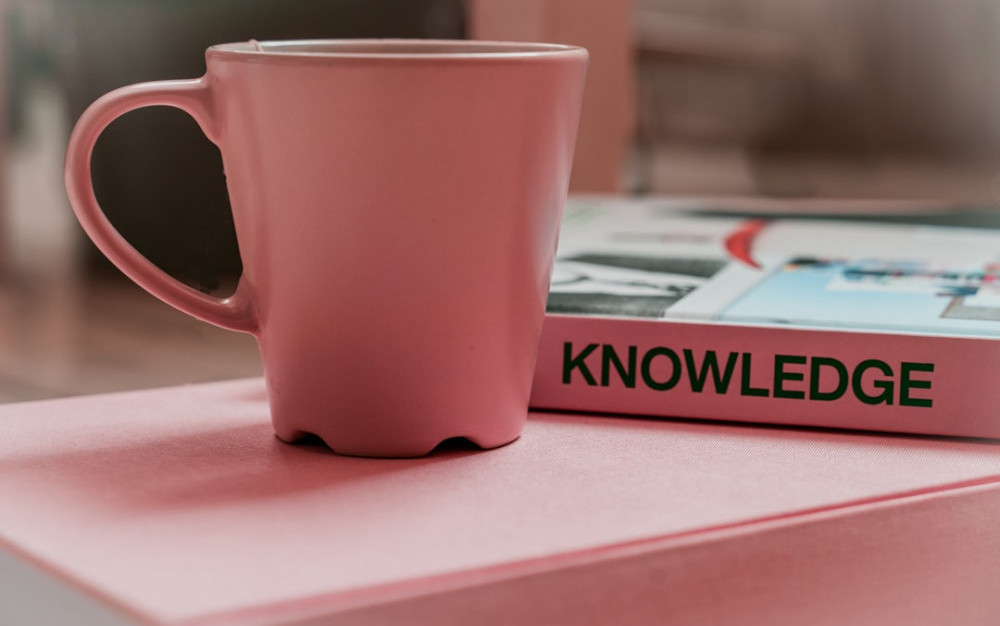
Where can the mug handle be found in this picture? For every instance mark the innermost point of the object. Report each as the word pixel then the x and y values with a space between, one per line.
pixel 194 98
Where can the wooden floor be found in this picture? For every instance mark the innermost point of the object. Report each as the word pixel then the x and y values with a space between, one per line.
pixel 104 335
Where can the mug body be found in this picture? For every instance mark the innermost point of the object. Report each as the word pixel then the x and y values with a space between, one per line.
pixel 397 206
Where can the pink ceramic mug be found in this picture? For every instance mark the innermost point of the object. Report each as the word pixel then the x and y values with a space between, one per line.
pixel 397 205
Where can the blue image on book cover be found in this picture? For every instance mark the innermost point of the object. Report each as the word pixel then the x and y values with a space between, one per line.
pixel 906 295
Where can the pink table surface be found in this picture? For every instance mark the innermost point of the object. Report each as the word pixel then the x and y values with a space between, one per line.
pixel 179 506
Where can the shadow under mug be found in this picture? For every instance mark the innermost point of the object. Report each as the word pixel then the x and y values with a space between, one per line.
pixel 397 205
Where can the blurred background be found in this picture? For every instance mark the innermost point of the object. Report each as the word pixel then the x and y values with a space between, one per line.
pixel 790 100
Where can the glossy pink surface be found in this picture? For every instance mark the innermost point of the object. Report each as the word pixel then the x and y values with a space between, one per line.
pixel 397 205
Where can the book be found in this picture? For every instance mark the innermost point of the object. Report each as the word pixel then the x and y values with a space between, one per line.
pixel 179 506
pixel 659 307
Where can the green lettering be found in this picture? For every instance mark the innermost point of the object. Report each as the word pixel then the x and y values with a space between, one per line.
pixel 647 366
pixel 577 362
pixel 609 359
pixel 906 383
pixel 745 388
pixel 781 376
pixel 815 365
pixel 886 386
pixel 699 376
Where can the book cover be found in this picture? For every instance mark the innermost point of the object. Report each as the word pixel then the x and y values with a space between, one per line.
pixel 658 309
pixel 178 506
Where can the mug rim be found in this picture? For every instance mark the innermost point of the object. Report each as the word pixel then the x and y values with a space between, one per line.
pixel 400 49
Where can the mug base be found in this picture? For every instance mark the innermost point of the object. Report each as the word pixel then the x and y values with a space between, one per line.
pixel 397 450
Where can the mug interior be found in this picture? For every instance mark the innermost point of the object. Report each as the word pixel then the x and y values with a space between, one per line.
pixel 392 48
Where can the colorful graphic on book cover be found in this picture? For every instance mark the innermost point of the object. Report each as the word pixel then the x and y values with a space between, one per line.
pixel 642 262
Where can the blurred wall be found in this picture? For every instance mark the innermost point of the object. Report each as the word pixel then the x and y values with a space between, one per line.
pixel 863 81
pixel 910 75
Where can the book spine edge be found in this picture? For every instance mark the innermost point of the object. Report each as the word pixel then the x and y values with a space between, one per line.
pixel 919 384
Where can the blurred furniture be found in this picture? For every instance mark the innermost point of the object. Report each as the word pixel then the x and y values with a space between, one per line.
pixel 710 92
pixel 604 27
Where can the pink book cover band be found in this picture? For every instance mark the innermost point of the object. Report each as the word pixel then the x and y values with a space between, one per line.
pixel 827 378
pixel 660 308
